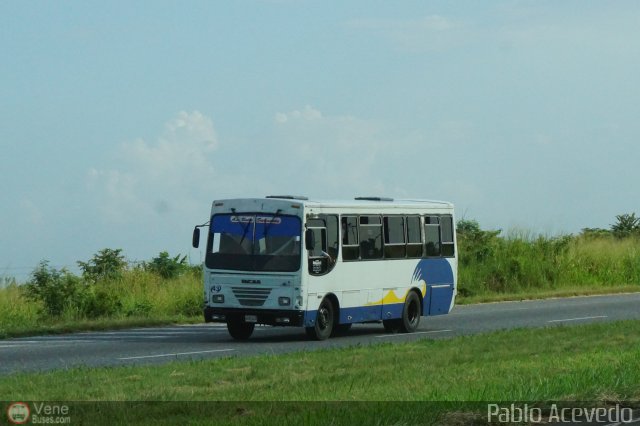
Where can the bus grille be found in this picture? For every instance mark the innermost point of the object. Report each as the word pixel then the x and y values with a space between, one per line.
pixel 251 296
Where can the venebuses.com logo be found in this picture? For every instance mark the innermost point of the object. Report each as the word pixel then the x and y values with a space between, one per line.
pixel 18 413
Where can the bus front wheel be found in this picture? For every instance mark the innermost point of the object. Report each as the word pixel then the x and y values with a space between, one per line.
pixel 239 329
pixel 323 326
pixel 411 313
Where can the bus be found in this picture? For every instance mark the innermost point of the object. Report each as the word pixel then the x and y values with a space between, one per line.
pixel 325 265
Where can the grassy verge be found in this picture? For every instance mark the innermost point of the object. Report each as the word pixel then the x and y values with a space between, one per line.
pixel 71 326
pixel 597 362
pixel 494 268
pixel 568 291
pixel 137 299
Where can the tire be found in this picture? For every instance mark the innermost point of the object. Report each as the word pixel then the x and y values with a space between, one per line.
pixel 325 320
pixel 411 313
pixel 239 329
pixel 341 329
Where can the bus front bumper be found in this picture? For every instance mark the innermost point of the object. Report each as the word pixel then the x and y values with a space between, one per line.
pixel 259 316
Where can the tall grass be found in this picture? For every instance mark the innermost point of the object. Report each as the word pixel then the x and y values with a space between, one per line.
pixel 137 297
pixel 16 311
pixel 525 263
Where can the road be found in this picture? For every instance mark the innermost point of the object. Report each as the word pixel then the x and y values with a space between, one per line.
pixel 162 344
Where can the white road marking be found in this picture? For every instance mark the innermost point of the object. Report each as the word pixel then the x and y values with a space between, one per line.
pixel 140 333
pixel 475 312
pixel 175 354
pixel 579 319
pixel 415 332
pixel 35 342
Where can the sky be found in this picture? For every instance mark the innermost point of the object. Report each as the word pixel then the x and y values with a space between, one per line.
pixel 120 122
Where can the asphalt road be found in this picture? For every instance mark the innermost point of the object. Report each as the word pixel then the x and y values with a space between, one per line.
pixel 162 344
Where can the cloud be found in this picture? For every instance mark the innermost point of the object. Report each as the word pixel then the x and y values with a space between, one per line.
pixel 307 113
pixel 156 178
pixel 328 156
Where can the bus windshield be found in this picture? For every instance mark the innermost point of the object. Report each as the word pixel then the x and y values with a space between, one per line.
pixel 254 242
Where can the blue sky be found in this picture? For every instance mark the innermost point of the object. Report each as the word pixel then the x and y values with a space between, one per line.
pixel 121 121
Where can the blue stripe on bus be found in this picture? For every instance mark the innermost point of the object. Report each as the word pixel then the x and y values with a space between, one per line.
pixel 357 314
pixel 435 272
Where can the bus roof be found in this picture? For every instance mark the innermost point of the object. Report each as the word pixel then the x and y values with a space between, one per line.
pixel 356 202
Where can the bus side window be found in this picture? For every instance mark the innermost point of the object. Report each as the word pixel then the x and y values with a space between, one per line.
pixel 370 237
pixel 414 237
pixel 333 239
pixel 446 227
pixel 350 241
pixel 432 235
pixel 394 237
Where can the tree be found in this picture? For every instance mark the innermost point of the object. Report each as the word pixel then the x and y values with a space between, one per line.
pixel 166 266
pixel 474 243
pixel 56 289
pixel 626 225
pixel 107 264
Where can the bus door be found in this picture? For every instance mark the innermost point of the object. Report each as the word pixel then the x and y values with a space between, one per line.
pixel 316 244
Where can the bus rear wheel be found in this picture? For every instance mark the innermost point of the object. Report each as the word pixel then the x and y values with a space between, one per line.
pixel 239 329
pixel 323 326
pixel 411 313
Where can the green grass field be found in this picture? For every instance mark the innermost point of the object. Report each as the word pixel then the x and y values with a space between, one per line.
pixel 597 362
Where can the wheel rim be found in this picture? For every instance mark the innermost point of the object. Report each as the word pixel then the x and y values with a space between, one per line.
pixel 323 317
pixel 412 312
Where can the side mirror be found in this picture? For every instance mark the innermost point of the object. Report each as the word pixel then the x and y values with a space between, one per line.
pixel 309 239
pixel 195 241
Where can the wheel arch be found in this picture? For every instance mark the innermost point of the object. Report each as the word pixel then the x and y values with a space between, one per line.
pixel 420 297
pixel 336 306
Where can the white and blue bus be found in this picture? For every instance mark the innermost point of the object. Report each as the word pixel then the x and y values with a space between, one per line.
pixel 324 265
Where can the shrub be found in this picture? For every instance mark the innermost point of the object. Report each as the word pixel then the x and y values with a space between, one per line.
pixel 56 289
pixel 475 245
pixel 99 302
pixel 140 308
pixel 167 267
pixel 107 264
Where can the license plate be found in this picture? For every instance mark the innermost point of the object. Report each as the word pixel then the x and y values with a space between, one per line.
pixel 250 318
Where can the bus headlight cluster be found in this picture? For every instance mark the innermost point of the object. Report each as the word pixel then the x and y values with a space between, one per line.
pixel 217 298
pixel 284 301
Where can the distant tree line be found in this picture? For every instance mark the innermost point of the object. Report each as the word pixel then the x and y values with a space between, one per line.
pixel 626 225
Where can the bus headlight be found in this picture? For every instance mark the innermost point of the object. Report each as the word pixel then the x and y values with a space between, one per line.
pixel 284 301
pixel 217 298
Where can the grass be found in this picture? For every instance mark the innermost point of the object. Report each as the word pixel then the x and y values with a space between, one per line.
pixel 597 362
pixel 140 299
pixel 527 266
pixel 568 291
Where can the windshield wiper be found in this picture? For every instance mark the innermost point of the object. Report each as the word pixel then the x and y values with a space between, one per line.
pixel 266 228
pixel 244 232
